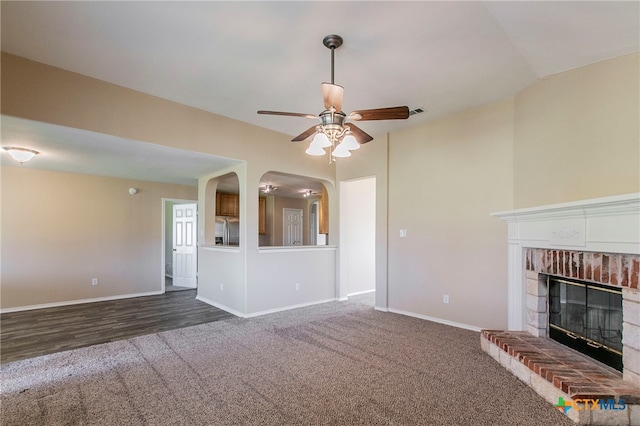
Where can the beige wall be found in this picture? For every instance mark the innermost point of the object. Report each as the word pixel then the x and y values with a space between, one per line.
pixel 445 178
pixel 577 134
pixel 60 230
pixel 42 93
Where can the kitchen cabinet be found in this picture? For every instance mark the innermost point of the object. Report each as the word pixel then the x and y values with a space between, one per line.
pixel 227 204
pixel 323 226
pixel 262 215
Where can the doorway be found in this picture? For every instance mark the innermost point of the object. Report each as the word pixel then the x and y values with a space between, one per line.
pixel 169 244
pixel 358 236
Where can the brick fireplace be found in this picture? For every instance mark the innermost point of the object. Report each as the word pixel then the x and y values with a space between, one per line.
pixel 610 269
pixel 596 241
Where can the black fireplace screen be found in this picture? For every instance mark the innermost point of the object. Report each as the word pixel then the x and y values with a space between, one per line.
pixel 588 318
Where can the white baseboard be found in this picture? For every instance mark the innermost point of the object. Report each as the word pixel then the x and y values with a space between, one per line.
pixel 438 320
pixel 361 292
pixel 78 302
pixel 260 313
pixel 287 308
pixel 220 306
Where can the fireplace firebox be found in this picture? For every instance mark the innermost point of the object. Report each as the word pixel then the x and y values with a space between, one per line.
pixel 587 317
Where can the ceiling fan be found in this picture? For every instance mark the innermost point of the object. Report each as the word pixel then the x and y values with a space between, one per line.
pixel 334 129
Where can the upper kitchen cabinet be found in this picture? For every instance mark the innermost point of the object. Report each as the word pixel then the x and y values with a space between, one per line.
pixel 262 215
pixel 227 204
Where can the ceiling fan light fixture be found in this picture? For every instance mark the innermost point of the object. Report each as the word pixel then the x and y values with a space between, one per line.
pixel 21 155
pixel 321 140
pixel 332 132
pixel 350 142
pixel 341 151
pixel 268 188
pixel 315 149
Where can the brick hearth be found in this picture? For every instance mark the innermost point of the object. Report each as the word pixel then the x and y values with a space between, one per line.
pixel 554 371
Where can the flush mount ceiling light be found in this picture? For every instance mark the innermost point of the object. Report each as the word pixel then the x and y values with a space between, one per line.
pixel 333 131
pixel 268 188
pixel 21 155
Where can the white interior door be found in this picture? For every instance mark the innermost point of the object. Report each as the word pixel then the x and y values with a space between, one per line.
pixel 292 227
pixel 185 250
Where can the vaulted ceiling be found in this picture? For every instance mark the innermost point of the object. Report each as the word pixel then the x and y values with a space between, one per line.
pixel 234 58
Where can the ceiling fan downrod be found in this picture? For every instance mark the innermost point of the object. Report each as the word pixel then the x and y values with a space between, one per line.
pixel 332 42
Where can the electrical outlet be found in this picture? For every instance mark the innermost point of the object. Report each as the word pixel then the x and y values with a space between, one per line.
pixel 403 233
pixel 221 287
pixel 297 286
pixel 94 281
pixel 445 298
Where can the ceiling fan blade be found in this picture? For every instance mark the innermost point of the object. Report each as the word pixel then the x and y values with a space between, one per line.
pixel 292 114
pixel 392 113
pixel 304 135
pixel 332 95
pixel 360 135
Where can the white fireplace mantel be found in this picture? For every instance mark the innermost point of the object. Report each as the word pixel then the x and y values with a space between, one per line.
pixel 608 225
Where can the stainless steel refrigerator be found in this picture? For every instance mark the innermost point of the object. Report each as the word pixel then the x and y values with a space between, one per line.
pixel 227 231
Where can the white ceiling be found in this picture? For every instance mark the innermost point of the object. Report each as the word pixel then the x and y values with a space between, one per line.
pixel 80 151
pixel 234 58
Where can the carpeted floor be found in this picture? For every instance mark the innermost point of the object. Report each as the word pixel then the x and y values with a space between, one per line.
pixel 335 363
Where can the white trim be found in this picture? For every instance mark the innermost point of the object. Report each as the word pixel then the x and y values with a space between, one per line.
pixel 219 306
pixel 287 308
pixel 381 309
pixel 361 292
pixel 624 202
pixel 78 302
pixel 279 249
pixel 228 249
pixel 438 320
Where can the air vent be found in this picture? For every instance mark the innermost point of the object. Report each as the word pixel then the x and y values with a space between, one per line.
pixel 416 111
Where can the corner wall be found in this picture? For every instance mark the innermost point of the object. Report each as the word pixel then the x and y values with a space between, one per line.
pixel 445 178
pixel 577 134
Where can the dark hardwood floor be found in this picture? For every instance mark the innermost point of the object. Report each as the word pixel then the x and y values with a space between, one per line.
pixel 27 334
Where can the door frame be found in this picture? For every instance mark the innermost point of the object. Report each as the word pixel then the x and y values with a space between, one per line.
pixel 348 238
pixel 168 221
